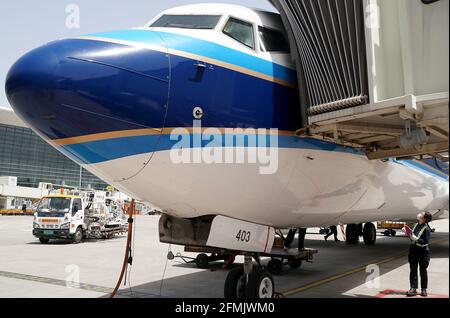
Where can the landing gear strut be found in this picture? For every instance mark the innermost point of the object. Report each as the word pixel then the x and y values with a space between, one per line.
pixel 249 281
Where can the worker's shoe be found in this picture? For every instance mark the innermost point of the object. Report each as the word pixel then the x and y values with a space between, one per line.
pixel 326 238
pixel 424 293
pixel 411 293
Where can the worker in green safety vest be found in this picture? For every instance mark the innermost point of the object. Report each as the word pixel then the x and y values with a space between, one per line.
pixel 419 254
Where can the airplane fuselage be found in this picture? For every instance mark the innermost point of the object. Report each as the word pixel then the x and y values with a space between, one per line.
pixel 124 104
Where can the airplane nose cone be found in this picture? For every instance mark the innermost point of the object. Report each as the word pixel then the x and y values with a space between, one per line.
pixel 27 84
pixel 80 87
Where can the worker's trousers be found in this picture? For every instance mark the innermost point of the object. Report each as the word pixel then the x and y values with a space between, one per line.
pixel 418 257
pixel 301 238
pixel 333 231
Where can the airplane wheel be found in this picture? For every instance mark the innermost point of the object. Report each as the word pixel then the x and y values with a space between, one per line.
pixel 275 266
pixel 393 233
pixel 235 283
pixel 202 261
pixel 369 234
pixel 351 233
pixel 260 285
pixel 295 263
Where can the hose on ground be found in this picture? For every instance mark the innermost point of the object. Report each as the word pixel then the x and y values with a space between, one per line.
pixel 127 258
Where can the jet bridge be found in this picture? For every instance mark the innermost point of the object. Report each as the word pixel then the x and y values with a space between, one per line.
pixel 373 74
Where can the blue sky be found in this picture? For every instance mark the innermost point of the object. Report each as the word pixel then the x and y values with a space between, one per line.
pixel 26 24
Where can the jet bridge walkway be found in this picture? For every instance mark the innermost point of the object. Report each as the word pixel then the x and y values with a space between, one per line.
pixel 373 74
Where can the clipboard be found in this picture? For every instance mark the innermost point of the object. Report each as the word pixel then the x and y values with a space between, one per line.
pixel 407 230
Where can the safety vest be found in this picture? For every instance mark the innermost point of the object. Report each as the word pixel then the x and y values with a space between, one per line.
pixel 419 235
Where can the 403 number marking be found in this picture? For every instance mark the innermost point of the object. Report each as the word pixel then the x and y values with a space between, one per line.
pixel 243 236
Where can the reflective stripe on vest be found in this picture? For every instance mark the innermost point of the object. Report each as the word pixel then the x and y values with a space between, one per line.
pixel 419 235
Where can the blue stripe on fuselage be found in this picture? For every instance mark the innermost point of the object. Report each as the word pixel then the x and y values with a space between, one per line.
pixel 111 149
pixel 203 48
pixel 423 167
pixel 100 87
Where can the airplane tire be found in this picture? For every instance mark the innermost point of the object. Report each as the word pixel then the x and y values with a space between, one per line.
pixel 351 234
pixel 369 234
pixel 393 233
pixel 275 266
pixel 44 240
pixel 260 285
pixel 202 261
pixel 235 284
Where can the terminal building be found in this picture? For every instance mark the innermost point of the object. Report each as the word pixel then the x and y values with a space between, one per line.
pixel 24 155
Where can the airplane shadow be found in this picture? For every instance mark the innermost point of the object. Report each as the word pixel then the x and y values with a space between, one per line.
pixel 333 259
pixel 85 241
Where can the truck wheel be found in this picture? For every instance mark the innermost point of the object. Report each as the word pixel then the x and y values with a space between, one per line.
pixel 235 284
pixel 202 261
pixel 369 234
pixel 78 236
pixel 393 233
pixel 260 285
pixel 44 240
pixel 275 266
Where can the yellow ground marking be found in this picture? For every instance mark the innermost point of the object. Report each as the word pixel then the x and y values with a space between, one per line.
pixel 297 290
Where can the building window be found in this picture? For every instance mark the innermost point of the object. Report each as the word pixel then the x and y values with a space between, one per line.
pixel 26 156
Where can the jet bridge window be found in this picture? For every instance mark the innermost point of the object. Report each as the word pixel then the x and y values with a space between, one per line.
pixel 273 41
pixel 207 22
pixel 240 31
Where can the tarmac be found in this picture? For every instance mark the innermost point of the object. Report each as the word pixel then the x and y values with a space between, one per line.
pixel 91 269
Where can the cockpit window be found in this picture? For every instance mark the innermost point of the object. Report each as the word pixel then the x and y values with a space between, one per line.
pixel 273 41
pixel 240 31
pixel 207 22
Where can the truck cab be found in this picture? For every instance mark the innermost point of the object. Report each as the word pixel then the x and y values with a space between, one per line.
pixel 59 217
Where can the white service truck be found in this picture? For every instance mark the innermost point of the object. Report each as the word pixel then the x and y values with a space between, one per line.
pixel 63 216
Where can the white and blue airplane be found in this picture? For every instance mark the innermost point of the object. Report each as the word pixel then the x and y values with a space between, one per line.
pixel 123 104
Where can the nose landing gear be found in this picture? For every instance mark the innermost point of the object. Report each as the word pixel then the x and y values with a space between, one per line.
pixel 249 281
